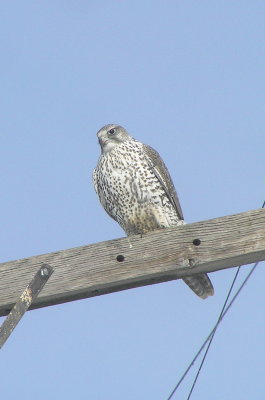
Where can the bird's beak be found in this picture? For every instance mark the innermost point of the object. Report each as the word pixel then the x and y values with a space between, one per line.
pixel 102 142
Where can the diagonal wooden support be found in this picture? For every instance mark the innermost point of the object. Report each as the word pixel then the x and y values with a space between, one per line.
pixel 121 264
pixel 25 300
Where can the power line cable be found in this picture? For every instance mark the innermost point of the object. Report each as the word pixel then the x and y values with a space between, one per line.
pixel 213 333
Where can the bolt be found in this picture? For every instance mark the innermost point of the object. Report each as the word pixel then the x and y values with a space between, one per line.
pixel 44 271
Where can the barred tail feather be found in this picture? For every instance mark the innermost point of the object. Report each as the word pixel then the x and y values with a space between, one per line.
pixel 200 284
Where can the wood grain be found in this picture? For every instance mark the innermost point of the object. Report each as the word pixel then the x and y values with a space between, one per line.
pixel 157 257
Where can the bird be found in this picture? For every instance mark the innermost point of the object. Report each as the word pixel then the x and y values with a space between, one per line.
pixel 136 190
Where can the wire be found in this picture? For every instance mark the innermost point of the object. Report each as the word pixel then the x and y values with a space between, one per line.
pixel 213 333
pixel 214 328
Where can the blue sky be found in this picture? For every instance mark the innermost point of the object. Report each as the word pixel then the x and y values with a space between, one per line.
pixel 186 77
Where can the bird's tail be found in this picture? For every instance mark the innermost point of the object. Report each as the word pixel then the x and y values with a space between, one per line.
pixel 200 284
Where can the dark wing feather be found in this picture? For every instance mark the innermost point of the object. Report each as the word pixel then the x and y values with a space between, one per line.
pixel 161 172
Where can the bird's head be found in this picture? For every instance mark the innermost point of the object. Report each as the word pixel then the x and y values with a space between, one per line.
pixel 110 136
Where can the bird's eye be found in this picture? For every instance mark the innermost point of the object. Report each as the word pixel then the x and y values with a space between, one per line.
pixel 111 131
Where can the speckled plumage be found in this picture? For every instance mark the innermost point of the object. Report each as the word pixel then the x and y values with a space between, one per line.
pixel 136 190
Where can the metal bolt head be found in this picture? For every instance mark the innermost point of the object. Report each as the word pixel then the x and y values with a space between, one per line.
pixel 44 271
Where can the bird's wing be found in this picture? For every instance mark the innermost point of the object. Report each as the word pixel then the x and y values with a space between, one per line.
pixel 161 172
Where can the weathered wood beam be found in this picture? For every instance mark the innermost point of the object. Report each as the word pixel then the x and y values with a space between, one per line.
pixel 125 263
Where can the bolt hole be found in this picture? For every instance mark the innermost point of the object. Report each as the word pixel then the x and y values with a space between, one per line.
pixel 196 242
pixel 120 258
